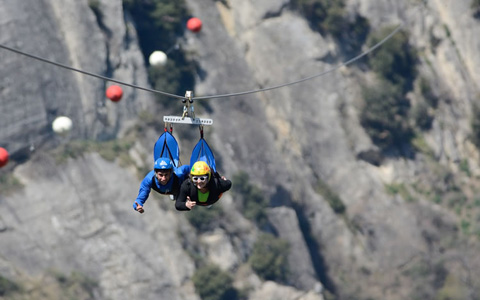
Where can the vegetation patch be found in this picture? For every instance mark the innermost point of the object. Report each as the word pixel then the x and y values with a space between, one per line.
pixel 269 258
pixel 159 23
pixel 475 6
pixel 385 115
pixel 205 219
pixel 9 183
pixel 465 167
pixel 75 284
pixel 475 125
pixel 423 112
pixel 453 288
pixel 253 202
pixel 426 278
pixel 211 283
pixel 95 7
pixel 399 189
pixel 8 287
pixel 331 17
pixel 108 150
pixel 333 199
pixel 419 143
pixel 53 285
pixel 427 93
pixel 395 61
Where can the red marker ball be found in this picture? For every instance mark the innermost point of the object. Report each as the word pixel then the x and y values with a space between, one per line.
pixel 194 24
pixel 3 157
pixel 114 93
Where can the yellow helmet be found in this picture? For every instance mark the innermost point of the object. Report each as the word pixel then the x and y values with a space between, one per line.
pixel 200 168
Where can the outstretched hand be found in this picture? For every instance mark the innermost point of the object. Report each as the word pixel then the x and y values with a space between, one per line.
pixel 190 204
pixel 140 208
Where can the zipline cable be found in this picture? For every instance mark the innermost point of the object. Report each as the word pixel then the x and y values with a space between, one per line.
pixel 310 77
pixel 89 73
pixel 385 39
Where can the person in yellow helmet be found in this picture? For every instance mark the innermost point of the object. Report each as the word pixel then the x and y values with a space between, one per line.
pixel 202 188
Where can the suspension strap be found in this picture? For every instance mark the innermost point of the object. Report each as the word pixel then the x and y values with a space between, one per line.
pixel 167 129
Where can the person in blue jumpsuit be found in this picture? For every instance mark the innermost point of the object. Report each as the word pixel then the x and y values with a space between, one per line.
pixel 164 179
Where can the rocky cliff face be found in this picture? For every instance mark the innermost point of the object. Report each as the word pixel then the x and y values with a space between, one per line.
pixel 296 143
pixel 67 34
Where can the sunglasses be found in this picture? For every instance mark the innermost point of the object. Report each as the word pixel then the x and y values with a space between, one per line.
pixel 199 178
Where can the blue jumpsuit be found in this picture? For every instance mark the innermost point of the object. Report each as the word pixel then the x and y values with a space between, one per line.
pixel 171 188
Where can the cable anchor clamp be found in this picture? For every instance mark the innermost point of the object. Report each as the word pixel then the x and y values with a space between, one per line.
pixel 188 110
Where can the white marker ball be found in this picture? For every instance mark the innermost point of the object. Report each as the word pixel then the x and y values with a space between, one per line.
pixel 158 58
pixel 62 125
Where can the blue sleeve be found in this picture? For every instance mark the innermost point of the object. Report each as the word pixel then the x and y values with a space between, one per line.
pixel 144 191
pixel 182 172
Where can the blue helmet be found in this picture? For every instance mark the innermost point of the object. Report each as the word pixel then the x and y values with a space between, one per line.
pixel 163 163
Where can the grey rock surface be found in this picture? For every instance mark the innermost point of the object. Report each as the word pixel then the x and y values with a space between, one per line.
pixel 77 215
